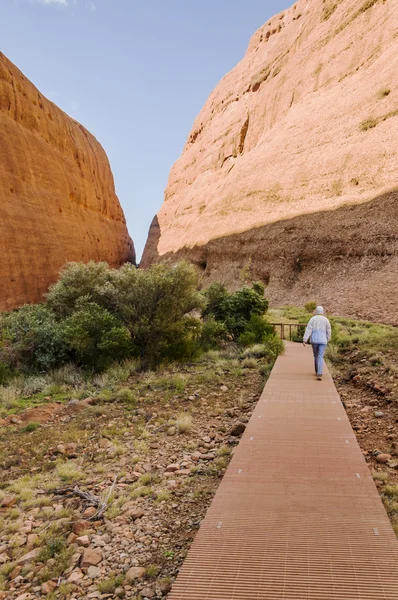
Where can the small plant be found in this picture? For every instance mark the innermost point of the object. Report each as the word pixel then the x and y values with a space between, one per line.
pixel 126 395
pixel 249 363
pixel 184 423
pixel 52 548
pixel 69 472
pixel 31 427
pixel 380 476
pixel 310 306
pixel 108 586
pixel 152 571
pixel 391 490
pixel 162 496
pixel 223 451
pixel 140 492
pixel 146 479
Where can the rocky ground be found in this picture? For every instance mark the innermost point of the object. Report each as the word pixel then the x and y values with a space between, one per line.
pixel 103 498
pixel 370 395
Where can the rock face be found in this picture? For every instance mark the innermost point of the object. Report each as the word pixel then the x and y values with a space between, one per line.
pixel 57 196
pixel 289 172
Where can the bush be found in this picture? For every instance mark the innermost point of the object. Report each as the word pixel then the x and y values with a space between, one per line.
pixel 257 329
pixel 236 309
pixel 95 336
pixel 298 333
pixel 5 373
pixel 76 281
pixel 153 305
pixel 310 307
pixel 212 335
pixel 31 427
pixel 95 315
pixel 31 338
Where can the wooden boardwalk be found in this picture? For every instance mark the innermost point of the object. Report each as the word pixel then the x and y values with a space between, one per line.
pixel 297 515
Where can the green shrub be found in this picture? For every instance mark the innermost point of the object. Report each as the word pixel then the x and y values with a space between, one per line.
pixel 298 333
pixel 126 395
pixel 257 329
pixel 76 281
pixel 236 309
pixel 155 305
pixel 31 338
pixel 31 427
pixel 5 373
pixel 95 336
pixel 310 307
pixel 213 334
pixel 249 363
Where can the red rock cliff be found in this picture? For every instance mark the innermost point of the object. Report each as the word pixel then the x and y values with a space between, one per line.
pixel 57 195
pixel 305 124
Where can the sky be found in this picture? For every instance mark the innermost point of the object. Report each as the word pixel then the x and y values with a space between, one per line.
pixel 135 73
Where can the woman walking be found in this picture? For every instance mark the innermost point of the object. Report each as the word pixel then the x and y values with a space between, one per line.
pixel 320 332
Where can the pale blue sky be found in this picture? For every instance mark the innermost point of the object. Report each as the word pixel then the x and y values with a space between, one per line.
pixel 134 72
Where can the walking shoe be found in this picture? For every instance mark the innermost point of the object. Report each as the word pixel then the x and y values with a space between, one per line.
pixel 319 377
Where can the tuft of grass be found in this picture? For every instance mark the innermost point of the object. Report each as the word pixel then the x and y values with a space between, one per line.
pixel 184 423
pixel 69 472
pixel 162 496
pixel 146 479
pixel 380 476
pixel 391 490
pixel 249 363
pixel 140 492
pixel 223 451
pixel 30 427
pixel 141 446
pixel 126 395
pixel 108 586
pixel 152 571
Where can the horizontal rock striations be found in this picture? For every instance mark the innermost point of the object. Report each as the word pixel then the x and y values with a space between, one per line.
pixel 57 195
pixel 304 125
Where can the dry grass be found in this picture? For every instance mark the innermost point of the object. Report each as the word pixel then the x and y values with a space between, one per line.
pixel 69 472
pixel 184 423
pixel 249 363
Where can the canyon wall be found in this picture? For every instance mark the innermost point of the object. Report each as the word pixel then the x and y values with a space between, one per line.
pixel 57 195
pixel 290 170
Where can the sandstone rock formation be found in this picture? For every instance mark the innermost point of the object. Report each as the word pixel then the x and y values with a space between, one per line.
pixel 57 196
pixel 293 160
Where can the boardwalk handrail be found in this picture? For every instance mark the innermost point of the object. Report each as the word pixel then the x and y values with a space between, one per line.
pixel 289 325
